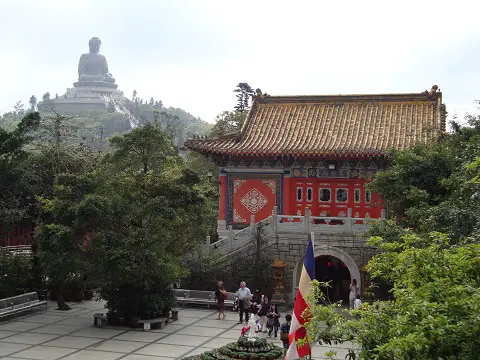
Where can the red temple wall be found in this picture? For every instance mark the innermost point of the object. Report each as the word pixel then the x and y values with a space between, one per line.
pixel 243 195
pixel 333 197
pixel 21 235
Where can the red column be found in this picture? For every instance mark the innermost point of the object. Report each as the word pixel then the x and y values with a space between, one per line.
pixel 222 202
pixel 287 196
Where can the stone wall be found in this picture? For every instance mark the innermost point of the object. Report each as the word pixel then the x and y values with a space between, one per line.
pixel 291 248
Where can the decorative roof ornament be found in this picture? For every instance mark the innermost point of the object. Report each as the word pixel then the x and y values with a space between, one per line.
pixel 432 92
pixel 259 97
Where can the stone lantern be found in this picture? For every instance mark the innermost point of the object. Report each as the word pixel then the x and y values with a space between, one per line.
pixel 278 296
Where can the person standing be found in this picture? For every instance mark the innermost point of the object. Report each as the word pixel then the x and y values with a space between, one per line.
pixel 273 322
pixel 262 313
pixel 244 295
pixel 354 291
pixel 221 295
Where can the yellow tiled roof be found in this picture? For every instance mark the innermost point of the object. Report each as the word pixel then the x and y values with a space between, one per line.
pixel 339 125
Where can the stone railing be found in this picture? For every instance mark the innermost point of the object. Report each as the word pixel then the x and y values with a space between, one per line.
pixel 289 224
pixel 236 240
pixel 23 250
pixel 321 224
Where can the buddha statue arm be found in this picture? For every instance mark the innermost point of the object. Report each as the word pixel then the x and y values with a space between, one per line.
pixel 81 64
pixel 105 65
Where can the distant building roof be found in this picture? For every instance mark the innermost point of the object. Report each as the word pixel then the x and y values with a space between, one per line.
pixel 333 125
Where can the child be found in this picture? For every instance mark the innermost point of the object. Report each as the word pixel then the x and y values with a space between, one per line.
pixel 358 302
pixel 284 331
pixel 273 322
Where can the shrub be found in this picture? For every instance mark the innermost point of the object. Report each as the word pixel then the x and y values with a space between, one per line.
pixel 15 273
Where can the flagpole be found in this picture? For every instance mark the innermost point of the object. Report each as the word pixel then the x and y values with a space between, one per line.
pixel 312 238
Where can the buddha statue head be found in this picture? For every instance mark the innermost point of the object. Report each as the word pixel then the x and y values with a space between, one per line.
pixel 94 45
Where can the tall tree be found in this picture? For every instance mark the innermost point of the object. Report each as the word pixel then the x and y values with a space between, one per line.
pixel 33 103
pixel 60 237
pixel 142 219
pixel 244 92
pixel 18 108
pixel 46 96
pixel 167 122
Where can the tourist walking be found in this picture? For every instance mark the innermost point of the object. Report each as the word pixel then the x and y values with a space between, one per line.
pixel 244 295
pixel 354 291
pixel 273 322
pixel 284 331
pixel 221 295
pixel 262 313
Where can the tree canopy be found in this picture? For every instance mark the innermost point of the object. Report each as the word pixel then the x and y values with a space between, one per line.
pixel 428 251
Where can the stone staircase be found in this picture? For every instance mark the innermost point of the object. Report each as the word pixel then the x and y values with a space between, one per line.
pixel 277 225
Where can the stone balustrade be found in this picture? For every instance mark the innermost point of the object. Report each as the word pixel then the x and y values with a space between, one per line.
pixel 277 224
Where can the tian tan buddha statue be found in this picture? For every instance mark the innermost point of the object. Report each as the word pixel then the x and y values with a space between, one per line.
pixel 93 68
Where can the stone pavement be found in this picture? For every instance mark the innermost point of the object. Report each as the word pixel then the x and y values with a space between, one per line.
pixel 70 335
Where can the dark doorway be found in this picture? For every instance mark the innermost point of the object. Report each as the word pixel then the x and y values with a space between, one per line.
pixel 329 268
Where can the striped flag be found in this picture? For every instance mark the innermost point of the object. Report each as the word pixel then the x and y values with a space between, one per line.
pixel 297 330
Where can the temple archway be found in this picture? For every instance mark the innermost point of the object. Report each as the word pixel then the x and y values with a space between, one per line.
pixel 343 269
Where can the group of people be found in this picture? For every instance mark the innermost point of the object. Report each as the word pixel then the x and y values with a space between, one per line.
pixel 267 316
pixel 354 296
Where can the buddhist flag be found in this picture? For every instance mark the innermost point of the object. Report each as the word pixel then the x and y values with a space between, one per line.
pixel 297 329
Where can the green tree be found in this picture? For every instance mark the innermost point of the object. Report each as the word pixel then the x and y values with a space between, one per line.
pixel 428 187
pixel 19 109
pixel 228 122
pixel 244 92
pixel 145 214
pixel 434 314
pixel 60 237
pixel 169 123
pixel 143 149
pixel 428 252
pixel 16 273
pixel 33 103
pixel 16 180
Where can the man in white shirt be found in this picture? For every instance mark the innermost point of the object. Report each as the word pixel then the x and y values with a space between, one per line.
pixel 244 295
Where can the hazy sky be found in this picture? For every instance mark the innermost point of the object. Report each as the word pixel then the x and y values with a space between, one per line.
pixel 191 54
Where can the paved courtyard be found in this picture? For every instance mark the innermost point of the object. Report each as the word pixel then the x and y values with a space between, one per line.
pixel 52 334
